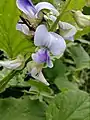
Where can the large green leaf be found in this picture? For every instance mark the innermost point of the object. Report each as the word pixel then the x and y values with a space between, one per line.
pixel 21 109
pixel 80 56
pixel 71 105
pixel 11 41
pixel 64 84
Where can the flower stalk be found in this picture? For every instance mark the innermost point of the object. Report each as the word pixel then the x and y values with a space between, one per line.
pixel 53 27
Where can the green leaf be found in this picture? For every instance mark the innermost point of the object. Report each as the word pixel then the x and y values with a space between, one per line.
pixel 21 109
pixel 5 80
pixel 71 105
pixel 73 5
pixel 41 87
pixel 58 70
pixel 80 57
pixel 11 41
pixel 76 4
pixel 82 32
pixel 63 83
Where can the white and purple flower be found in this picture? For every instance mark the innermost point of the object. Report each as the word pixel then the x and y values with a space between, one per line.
pixel 32 12
pixel 49 42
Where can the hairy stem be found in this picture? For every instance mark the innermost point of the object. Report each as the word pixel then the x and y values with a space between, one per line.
pixel 53 27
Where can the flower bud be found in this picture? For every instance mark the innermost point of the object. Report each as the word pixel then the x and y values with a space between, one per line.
pixel 81 19
pixel 13 64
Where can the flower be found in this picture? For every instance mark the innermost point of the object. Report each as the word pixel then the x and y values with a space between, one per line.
pixel 35 70
pixel 81 19
pixel 49 42
pixel 32 12
pixel 67 31
pixel 27 7
pixel 38 75
pixel 13 64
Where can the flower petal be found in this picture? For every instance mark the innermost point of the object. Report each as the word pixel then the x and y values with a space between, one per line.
pixel 58 44
pixel 49 63
pixel 38 75
pixel 67 31
pixel 42 56
pixel 52 18
pixel 45 5
pixel 27 7
pixel 42 36
pixel 23 28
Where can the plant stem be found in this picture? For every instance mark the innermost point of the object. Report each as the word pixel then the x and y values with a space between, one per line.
pixel 53 27
pixel 6 79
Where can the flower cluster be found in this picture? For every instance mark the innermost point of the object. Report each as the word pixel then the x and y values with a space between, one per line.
pixel 36 22
pixel 50 44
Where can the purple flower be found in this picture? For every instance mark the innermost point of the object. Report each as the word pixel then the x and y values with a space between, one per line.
pixel 42 56
pixel 49 42
pixel 27 7
pixel 32 12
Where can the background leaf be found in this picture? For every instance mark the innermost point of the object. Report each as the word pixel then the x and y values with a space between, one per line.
pixel 21 109
pixel 80 56
pixel 71 105
pixel 63 83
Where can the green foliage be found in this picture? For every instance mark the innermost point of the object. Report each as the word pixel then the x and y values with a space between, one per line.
pixel 59 69
pixel 11 41
pixel 63 83
pixel 71 105
pixel 80 56
pixel 62 100
pixel 76 4
pixel 21 109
